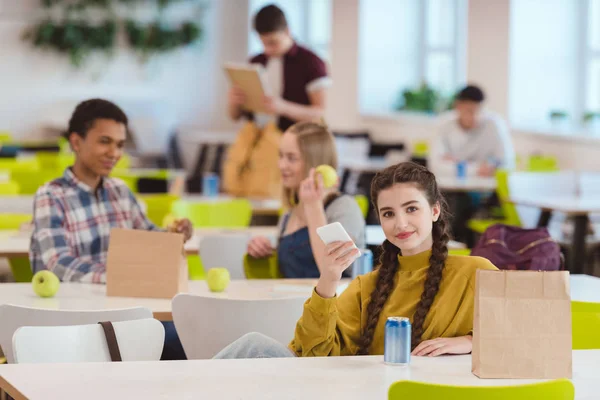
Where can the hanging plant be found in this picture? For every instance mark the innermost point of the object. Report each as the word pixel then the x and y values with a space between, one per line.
pixel 73 38
pixel 155 38
pixel 77 38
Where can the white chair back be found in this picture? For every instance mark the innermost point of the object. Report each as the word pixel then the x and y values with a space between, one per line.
pixel 139 340
pixel 13 317
pixel 225 250
pixel 206 325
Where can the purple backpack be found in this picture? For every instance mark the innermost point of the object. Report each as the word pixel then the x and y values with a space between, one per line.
pixel 509 247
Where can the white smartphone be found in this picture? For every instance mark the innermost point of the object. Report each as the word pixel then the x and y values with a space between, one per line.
pixel 334 232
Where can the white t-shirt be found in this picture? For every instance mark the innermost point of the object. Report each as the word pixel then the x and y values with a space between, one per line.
pixel 488 142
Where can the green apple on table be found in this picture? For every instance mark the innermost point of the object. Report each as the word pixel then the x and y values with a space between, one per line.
pixel 45 283
pixel 218 279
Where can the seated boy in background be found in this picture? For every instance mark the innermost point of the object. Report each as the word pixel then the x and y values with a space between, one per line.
pixel 73 215
pixel 473 135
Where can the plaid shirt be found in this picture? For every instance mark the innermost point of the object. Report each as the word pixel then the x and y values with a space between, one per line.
pixel 72 226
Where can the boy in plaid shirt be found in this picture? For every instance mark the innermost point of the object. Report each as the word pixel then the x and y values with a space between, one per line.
pixel 73 215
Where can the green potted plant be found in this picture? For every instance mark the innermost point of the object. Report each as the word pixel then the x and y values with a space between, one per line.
pixel 423 99
pixel 591 119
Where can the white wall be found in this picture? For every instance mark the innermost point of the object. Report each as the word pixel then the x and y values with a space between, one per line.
pixel 187 87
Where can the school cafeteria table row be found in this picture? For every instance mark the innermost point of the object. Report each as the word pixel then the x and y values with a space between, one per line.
pixel 348 378
pixel 16 243
pixel 81 296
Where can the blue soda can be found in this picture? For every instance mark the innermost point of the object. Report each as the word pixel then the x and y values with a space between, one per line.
pixel 363 264
pixel 397 341
pixel 461 169
pixel 210 185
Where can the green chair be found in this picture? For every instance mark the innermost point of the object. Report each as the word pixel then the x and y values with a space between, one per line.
pixel 559 389
pixel 234 213
pixel 30 179
pixel 459 252
pixel 262 268
pixel 586 325
pixel 5 137
pixel 158 206
pixel 540 163
pixel 9 188
pixel 363 204
pixel 511 216
pixel 20 266
pixel 420 149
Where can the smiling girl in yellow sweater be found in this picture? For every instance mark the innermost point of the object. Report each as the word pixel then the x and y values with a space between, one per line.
pixel 416 279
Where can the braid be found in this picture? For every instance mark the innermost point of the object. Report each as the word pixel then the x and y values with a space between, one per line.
pixel 388 262
pixel 439 253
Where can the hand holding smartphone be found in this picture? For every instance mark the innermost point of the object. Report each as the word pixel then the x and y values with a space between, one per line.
pixel 334 232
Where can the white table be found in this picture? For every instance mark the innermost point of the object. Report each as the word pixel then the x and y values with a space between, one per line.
pixel 83 296
pixel 16 243
pixel 347 378
pixel 575 206
pixel 87 296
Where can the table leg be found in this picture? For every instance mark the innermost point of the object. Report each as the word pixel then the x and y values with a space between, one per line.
pixel 577 257
pixel 544 218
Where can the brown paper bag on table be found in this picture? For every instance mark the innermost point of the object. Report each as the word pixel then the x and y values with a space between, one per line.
pixel 522 325
pixel 145 264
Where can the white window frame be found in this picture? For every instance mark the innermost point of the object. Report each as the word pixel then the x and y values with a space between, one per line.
pixel 457 50
pixel 587 56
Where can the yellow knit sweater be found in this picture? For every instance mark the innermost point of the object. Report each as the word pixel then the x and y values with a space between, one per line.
pixel 332 327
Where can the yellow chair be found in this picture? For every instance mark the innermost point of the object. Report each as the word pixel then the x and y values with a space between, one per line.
pixel 234 213
pixel 158 206
pixel 559 389
pixel 363 204
pixel 460 252
pixel 586 325
pixel 20 266
pixel 262 268
pixel 511 216
pixel 5 137
pixel 9 188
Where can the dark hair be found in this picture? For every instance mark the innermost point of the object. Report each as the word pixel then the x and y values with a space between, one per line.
pixel 270 19
pixel 470 93
pixel 407 172
pixel 89 111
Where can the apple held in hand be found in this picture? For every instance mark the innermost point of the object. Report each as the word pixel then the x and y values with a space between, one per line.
pixel 217 279
pixel 45 283
pixel 329 174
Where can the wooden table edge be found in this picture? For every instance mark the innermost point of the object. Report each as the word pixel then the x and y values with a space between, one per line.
pixel 11 390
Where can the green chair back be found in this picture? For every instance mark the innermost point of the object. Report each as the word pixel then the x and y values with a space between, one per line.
pixel 363 204
pixel 20 266
pixel 421 149
pixel 559 389
pixel 234 213
pixel 5 137
pixel 262 268
pixel 129 179
pixel 540 163
pixel 459 252
pixel 158 206
pixel 9 188
pixel 511 216
pixel 586 325
pixel 30 179
pixel 54 161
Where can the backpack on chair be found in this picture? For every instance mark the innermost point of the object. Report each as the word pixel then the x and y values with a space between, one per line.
pixel 512 248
